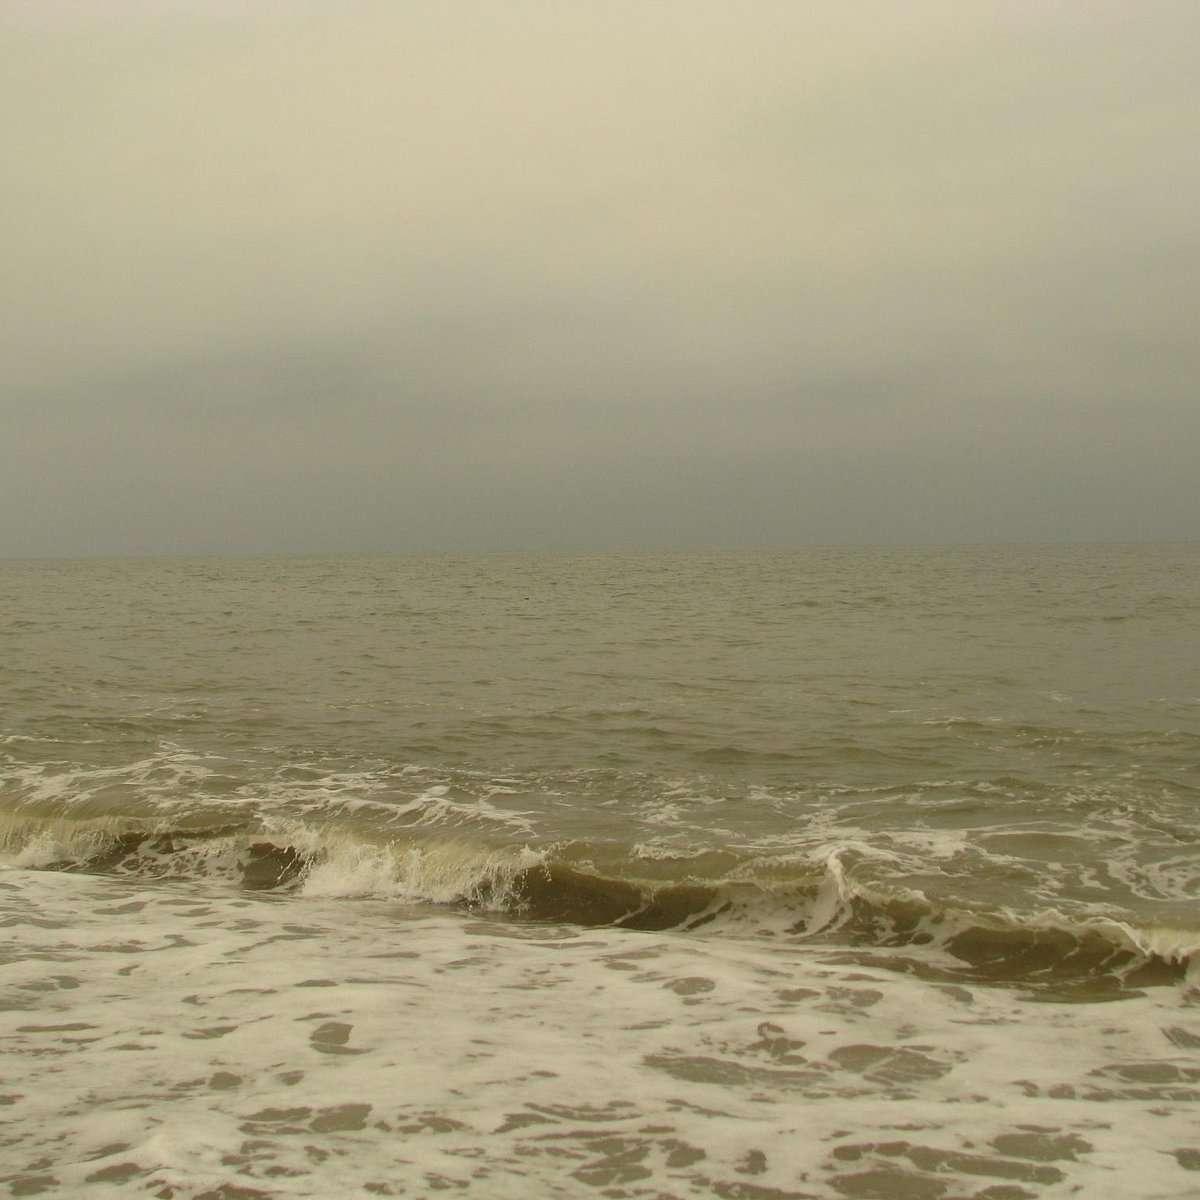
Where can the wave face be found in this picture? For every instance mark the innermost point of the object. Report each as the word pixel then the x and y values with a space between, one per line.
pixel 985 762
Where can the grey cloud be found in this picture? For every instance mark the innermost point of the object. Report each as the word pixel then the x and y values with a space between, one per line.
pixel 370 276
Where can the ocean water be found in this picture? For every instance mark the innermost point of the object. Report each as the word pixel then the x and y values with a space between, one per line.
pixel 815 873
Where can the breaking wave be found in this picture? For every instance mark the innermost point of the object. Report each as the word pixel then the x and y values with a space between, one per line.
pixel 812 898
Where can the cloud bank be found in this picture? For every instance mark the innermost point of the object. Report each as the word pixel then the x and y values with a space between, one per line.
pixel 300 277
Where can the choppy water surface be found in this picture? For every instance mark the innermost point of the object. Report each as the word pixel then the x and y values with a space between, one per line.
pixel 817 873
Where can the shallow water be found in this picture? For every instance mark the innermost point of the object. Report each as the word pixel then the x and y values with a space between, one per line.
pixel 821 873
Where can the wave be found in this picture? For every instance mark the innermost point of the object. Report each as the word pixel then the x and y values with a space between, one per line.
pixel 815 899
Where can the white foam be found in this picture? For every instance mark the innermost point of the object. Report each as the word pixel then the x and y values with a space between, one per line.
pixel 166 1037
pixel 165 779
pixel 57 842
pixel 447 871
pixel 1171 944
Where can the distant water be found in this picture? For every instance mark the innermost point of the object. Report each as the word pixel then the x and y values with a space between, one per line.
pixel 823 873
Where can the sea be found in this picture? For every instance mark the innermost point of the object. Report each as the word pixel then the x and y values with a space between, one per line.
pixel 754 874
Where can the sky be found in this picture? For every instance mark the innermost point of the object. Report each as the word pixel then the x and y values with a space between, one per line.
pixel 434 275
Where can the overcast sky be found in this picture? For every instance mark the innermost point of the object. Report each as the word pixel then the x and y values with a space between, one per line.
pixel 342 276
